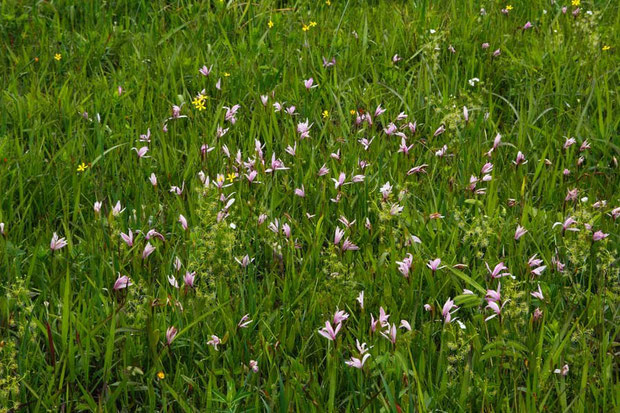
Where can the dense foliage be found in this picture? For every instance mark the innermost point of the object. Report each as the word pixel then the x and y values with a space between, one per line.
pixel 309 206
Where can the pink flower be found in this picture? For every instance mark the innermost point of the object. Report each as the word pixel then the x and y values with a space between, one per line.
pixel 2 227
pixel 147 137
pixel 308 83
pixel 128 238
pixel 328 332
pixel 340 181
pixel 417 169
pixel 563 372
pixel 520 232
pixel 205 71
pixel 390 333
pixel 379 111
pixel 520 159
pixel 121 282
pixel 537 314
pixel 245 261
pixel 173 281
pixel 245 321
pixel 340 316
pixel 405 265
pixel 57 243
pixel 96 208
pixel 253 366
pixel 534 262
pixel 230 113
pixel 465 114
pixel 405 324
pixel 494 306
pixel 300 192
pixel 148 250
pixel 189 279
pixel 360 299
pixel 567 225
pixel 383 317
pixel 441 129
pixel 434 265
pixel 303 128
pixel 527 25
pixel 152 233
pixel 286 229
pixel 403 148
pixel 347 245
pixel 142 151
pixel 497 52
pixel 329 63
pixel 485 45
pixel 599 235
pixel 338 234
pixel 427 307
pixel 494 295
pixel 171 333
pixel 447 311
pixel 357 363
pixel 276 165
pixel 183 221
pixel 153 179
pixel 497 271
pixel 215 341
pixel 538 294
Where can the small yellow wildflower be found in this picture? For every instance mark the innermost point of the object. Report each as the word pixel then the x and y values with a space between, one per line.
pixel 352 112
pixel 82 167
pixel 305 28
pixel 226 74
pixel 509 7
pixel 606 48
pixel 329 3
pixel 575 3
pixel 199 102
pixel 57 56
pixel 161 375
pixel 325 114
pixel 312 24
pixel 231 177
pixel 270 24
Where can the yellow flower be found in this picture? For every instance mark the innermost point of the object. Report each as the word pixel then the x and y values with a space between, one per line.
pixel 57 56
pixel 226 74
pixel 575 2
pixel 82 167
pixel 606 47
pixel 325 114
pixel 352 112
pixel 312 24
pixel 509 7
pixel 329 3
pixel 161 375
pixel 270 24
pixel 231 177
pixel 305 28
pixel 199 102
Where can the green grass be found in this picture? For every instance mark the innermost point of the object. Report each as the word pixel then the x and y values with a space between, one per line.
pixel 69 342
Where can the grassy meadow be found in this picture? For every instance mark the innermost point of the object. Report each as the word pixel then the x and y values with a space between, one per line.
pixel 403 206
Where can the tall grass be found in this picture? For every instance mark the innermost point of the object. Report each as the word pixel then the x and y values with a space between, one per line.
pixel 71 342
